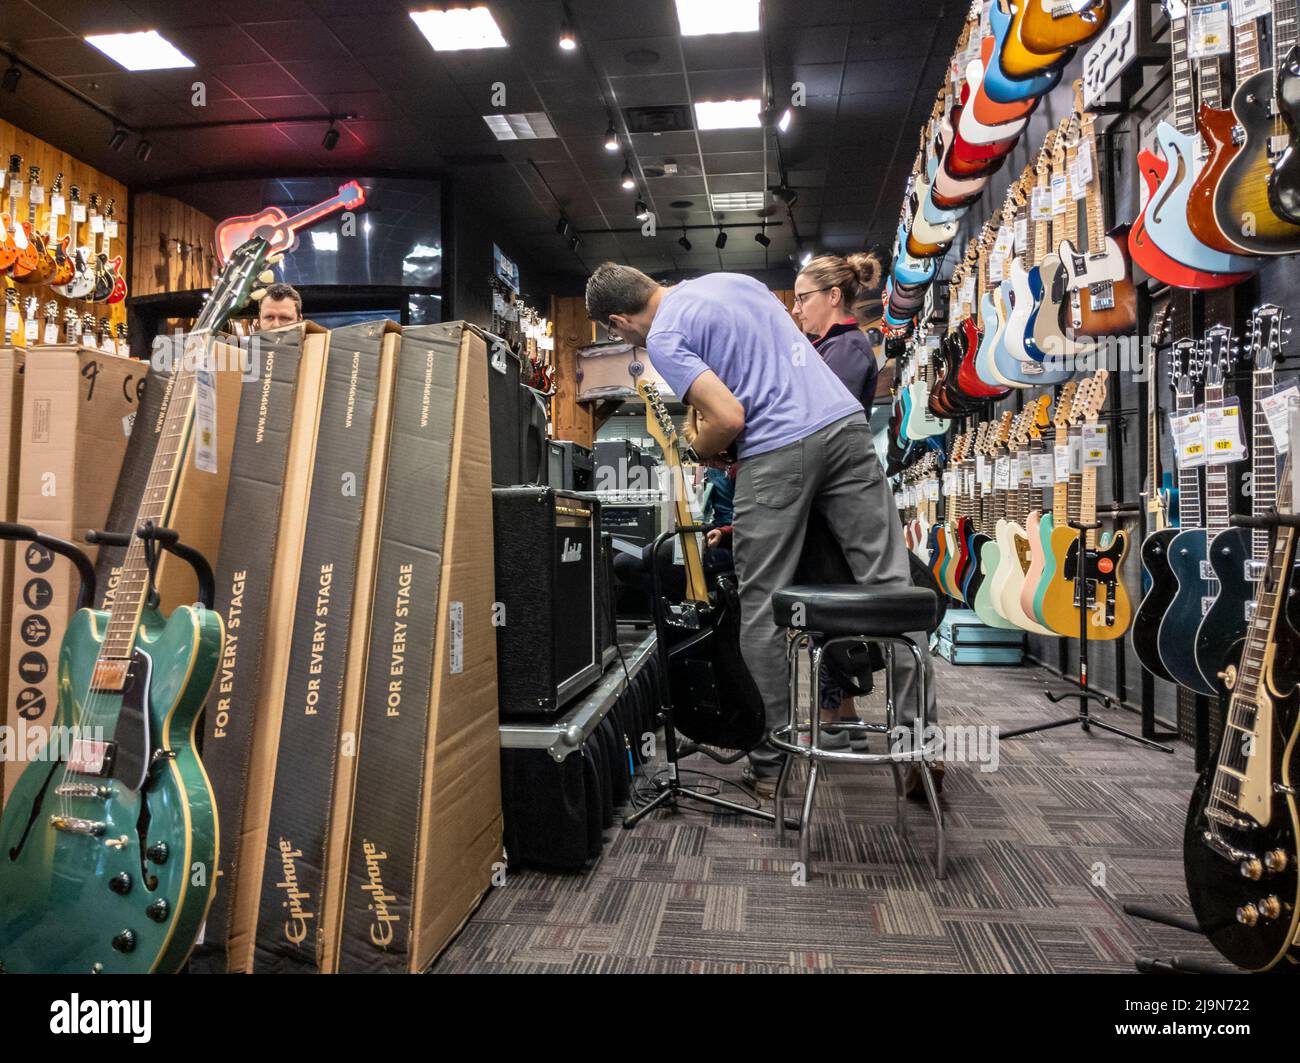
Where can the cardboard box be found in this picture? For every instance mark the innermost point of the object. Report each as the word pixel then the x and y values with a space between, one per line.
pixel 200 497
pixel 77 412
pixel 424 836
pixel 11 421
pixel 334 587
pixel 270 475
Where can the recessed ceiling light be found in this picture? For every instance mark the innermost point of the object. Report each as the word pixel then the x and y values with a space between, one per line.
pixel 698 17
pixel 728 114
pixel 722 202
pixel 148 50
pixel 531 126
pixel 682 204
pixel 459 29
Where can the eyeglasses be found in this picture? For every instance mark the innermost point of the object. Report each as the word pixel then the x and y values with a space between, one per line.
pixel 800 297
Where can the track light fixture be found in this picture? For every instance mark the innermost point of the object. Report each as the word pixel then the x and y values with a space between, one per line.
pixel 642 211
pixel 143 150
pixel 721 241
pixel 568 39
pixel 629 182
pixel 762 239
pixel 331 138
pixel 9 80
pixel 563 226
pixel 118 139
pixel 574 243
pixel 684 243
pixel 611 139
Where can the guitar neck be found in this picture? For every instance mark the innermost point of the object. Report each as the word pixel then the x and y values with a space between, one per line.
pixel 1184 112
pixel 1218 505
pixel 1284 32
pixel 155 507
pixel 1245 47
pixel 1263 463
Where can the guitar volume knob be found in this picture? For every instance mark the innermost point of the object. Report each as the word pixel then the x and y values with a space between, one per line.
pixel 1270 907
pixel 1252 869
pixel 125 941
pixel 120 883
pixel 158 853
pixel 158 911
pixel 1276 860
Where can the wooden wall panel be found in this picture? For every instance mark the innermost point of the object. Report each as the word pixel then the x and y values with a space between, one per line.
pixel 172 246
pixel 36 152
pixel 570 419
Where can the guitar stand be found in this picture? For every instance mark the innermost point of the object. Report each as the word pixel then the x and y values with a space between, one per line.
pixel 1082 716
pixel 156 540
pixel 673 789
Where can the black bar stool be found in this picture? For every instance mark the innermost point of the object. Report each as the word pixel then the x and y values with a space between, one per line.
pixel 852 613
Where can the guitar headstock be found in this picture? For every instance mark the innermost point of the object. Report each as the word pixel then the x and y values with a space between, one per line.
pixel 15 165
pixel 58 184
pixel 52 311
pixel 658 422
pixel 1096 394
pixel 351 195
pixel 1039 419
pixel 1082 399
pixel 1218 351
pixel 1003 433
pixel 33 178
pixel 1064 404
pixel 1268 333
pixel 11 298
pixel 1184 364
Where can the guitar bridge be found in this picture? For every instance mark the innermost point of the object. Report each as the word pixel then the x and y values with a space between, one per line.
pixel 1254 571
pixel 1102 295
pixel 89 756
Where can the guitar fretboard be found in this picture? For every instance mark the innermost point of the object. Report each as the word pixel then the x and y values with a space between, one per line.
pixel 155 507
pixel 1263 463
pixel 1184 112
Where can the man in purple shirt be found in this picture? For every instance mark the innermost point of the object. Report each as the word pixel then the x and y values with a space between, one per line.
pixel 727 346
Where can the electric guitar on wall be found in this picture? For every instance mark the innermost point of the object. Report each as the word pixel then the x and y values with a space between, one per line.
pixel 1099 590
pixel 1239 841
pixel 35 265
pixel 107 851
pixel 1039 527
pixel 10 232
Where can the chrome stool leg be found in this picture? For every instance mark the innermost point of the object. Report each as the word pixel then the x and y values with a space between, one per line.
pixel 891 715
pixel 783 779
pixel 814 763
pixel 924 765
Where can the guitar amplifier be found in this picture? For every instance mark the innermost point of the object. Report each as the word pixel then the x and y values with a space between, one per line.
pixel 504 405
pixel 569 465
pixel 622 465
pixel 547 548
pixel 532 436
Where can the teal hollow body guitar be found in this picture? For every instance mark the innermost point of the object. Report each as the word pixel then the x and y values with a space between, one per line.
pixel 108 846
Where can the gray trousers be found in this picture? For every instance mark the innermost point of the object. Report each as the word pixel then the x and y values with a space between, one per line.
pixel 836 471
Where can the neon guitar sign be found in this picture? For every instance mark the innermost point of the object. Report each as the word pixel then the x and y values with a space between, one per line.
pixel 277 228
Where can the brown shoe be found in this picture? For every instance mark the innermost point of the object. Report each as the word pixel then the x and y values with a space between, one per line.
pixel 913 789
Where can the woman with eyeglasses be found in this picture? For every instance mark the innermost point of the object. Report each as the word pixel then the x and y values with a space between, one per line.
pixel 830 295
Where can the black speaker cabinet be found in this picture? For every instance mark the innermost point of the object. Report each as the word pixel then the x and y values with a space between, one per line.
pixel 547 549
pixel 532 436
pixel 504 405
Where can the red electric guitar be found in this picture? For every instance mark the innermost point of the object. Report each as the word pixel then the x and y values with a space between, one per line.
pixel 276 227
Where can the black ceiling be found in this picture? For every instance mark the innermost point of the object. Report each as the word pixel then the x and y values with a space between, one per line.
pixel 870 71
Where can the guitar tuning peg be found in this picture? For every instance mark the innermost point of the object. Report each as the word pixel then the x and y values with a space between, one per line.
pixel 258 294
pixel 267 276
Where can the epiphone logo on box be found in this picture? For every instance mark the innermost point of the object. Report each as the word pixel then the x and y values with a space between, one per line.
pixel 296 926
pixel 265 401
pixel 382 929
pixel 572 551
pixel 352 386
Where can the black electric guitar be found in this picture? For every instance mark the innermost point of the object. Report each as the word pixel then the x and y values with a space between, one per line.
pixel 1239 842
pixel 715 700
pixel 1161 582
pixel 1237 556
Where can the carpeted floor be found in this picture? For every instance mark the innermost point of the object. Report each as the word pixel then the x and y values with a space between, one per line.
pixel 1042 853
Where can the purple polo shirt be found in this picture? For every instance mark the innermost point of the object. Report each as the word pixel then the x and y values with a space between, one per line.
pixel 733 325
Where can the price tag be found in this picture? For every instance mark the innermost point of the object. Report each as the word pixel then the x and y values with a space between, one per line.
pixel 13 321
pixel 1013 473
pixel 37 194
pixel 1040 204
pixel 997 264
pixel 78 212
pixel 16 188
pixel 1245 10
pixel 1189 439
pixel 51 332
pixel 1061 462
pixel 1276 409
pixel 967 293
pixel 970 483
pixel 981 464
pixel 1060 193
pixel 58 205
pixel 1004 240
pixel 1084 162
pixel 947 483
pixel 1042 469
pixel 1021 235
pixel 1094 446
pixel 30 330
pixel 1078 187
pixel 110 228
pixel 1225 438
pixel 1076 455
pixel 932 491
pixel 1209 31
pixel 1002 474
pixel 205 420
pixel 97 223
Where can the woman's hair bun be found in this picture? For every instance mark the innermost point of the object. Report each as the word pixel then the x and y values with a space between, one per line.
pixel 868 269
